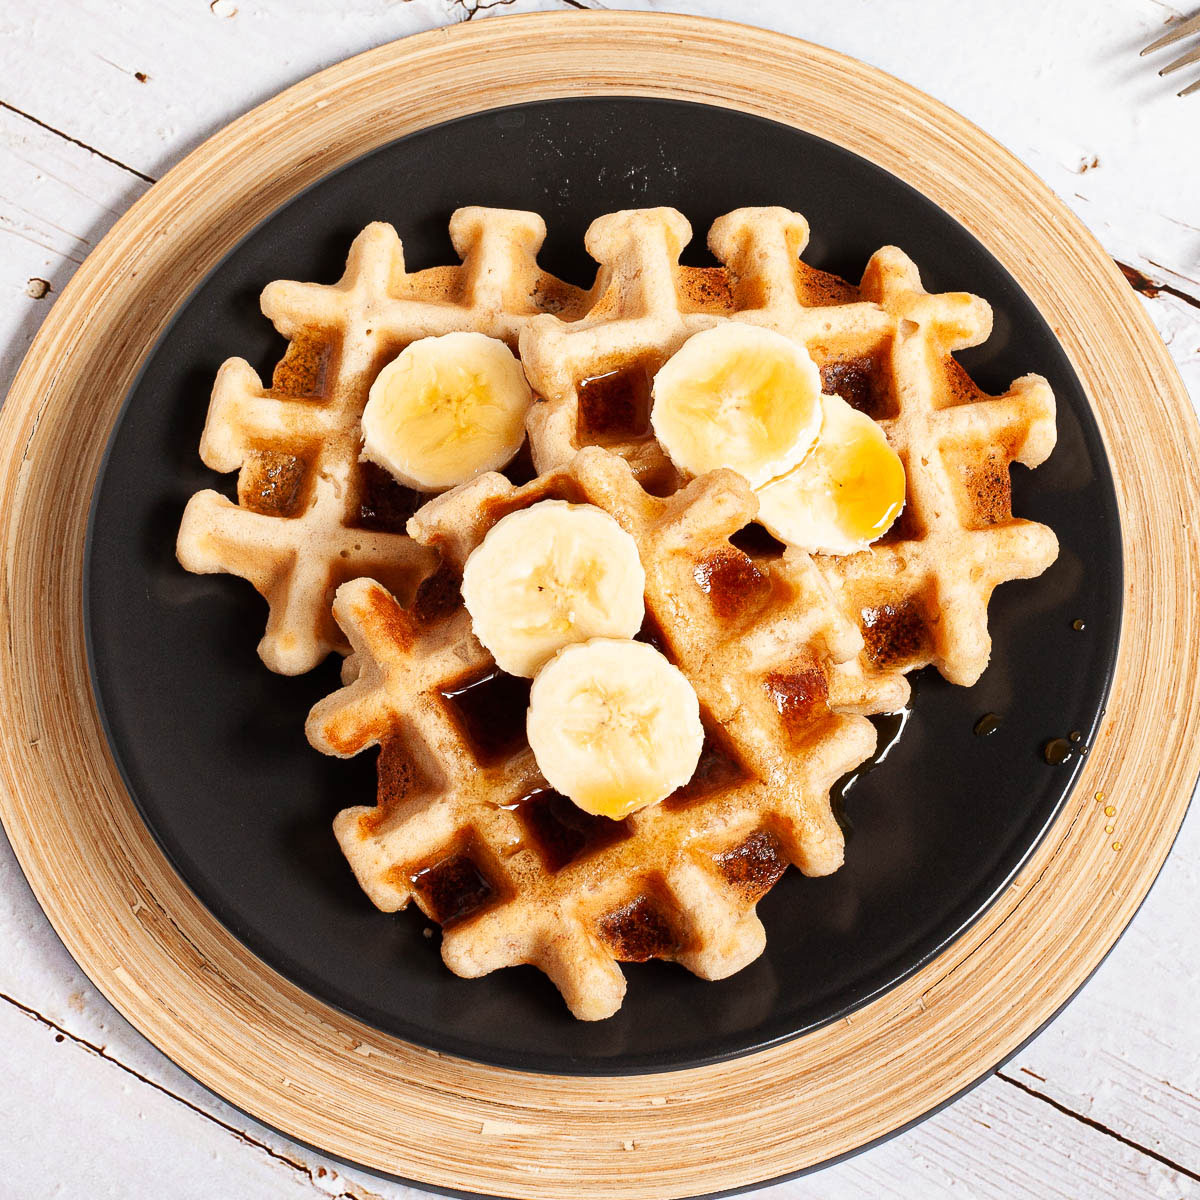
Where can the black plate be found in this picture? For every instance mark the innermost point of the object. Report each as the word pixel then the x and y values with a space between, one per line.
pixel 212 746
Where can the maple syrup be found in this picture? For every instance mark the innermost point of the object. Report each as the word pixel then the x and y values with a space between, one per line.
pixel 272 484
pixel 651 633
pixel 716 770
pixel 1079 624
pixel 520 469
pixel 452 889
pixel 438 595
pixel 637 932
pixel 895 634
pixel 615 406
pixel 889 728
pixel 905 528
pixel 753 867
pixel 754 540
pixel 733 583
pixel 1058 751
pixel 490 708
pixel 987 724
pixel 837 806
pixel 560 831
pixel 862 383
pixel 384 505
pixel 798 695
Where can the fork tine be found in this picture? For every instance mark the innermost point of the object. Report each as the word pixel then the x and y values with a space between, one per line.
pixel 1184 60
pixel 1191 87
pixel 1177 31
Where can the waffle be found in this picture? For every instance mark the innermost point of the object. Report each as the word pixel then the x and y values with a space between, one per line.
pixel 920 594
pixel 308 514
pixel 465 825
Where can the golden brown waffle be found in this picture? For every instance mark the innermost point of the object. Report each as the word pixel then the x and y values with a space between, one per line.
pixel 465 824
pixel 920 594
pixel 309 515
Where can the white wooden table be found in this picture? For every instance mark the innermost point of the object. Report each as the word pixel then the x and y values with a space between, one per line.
pixel 99 97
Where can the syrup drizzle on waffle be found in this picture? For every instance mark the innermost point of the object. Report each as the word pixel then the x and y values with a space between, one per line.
pixel 787 652
pixel 570 893
pixel 309 515
pixel 920 594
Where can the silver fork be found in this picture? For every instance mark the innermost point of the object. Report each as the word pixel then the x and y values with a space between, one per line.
pixel 1181 30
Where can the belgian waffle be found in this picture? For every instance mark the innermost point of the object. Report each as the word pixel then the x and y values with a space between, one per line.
pixel 920 594
pixel 309 515
pixel 464 823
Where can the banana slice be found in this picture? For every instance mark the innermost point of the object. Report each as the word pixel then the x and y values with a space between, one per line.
pixel 738 396
pixel 845 494
pixel 614 726
pixel 446 409
pixel 549 575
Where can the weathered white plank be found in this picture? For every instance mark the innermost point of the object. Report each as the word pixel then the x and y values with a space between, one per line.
pixel 97 1130
pixel 997 1143
pixel 56 202
pixel 89 1108
pixel 1178 322
pixel 138 1137
pixel 1060 84
pixel 1125 1054
pixel 203 62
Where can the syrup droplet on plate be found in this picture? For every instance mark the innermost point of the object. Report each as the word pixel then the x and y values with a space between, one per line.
pixel 1079 624
pixel 987 724
pixel 1057 751
pixel 1110 810
pixel 889 727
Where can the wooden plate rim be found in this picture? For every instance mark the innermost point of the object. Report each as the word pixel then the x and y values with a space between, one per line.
pixel 332 1082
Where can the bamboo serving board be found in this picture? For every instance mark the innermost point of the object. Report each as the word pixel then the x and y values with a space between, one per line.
pixel 330 1081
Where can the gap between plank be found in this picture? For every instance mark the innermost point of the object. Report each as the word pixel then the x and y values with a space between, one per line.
pixel 66 137
pixel 240 1134
pixel 472 8
pixel 1099 1126
pixel 1145 286
pixel 307 1171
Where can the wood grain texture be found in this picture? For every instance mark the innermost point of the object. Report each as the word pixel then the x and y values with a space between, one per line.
pixel 167 965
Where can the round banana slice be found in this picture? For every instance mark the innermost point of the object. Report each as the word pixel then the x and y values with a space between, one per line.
pixel 446 409
pixel 738 396
pixel 845 494
pixel 614 726
pixel 549 575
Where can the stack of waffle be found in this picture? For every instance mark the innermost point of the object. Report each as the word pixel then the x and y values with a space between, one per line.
pixel 788 652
